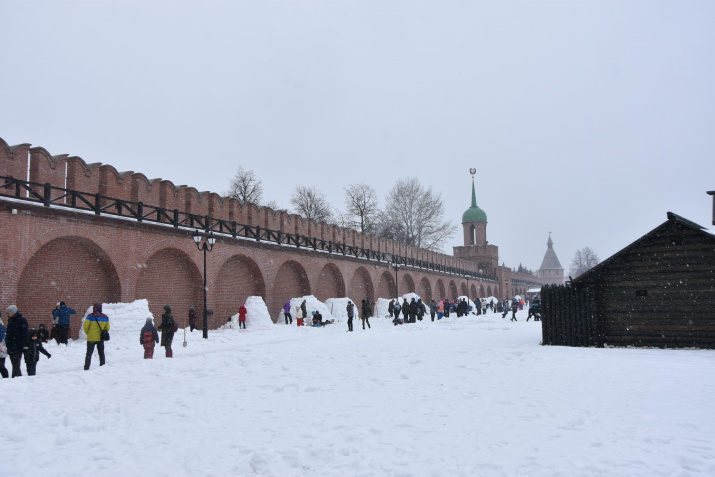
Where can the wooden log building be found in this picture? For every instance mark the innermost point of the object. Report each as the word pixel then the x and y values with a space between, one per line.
pixel 659 291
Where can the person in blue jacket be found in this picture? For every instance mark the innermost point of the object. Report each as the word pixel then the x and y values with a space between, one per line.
pixel 16 339
pixel 62 315
pixel 3 350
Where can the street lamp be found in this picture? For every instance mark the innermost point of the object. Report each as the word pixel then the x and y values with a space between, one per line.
pixel 206 246
pixel 396 266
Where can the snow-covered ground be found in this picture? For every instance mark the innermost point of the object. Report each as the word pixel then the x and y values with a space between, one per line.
pixel 474 396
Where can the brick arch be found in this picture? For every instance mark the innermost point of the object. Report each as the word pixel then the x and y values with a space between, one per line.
pixel 425 290
pixel 386 285
pixel 481 291
pixel 361 286
pixel 71 269
pixel 291 282
pixel 489 290
pixel 238 278
pixel 463 289
pixel 407 283
pixel 452 290
pixel 441 292
pixel 330 283
pixel 169 277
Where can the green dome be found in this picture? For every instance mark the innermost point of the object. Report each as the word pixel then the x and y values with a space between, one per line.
pixel 474 213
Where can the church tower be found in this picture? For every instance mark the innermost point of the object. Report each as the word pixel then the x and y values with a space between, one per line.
pixel 476 248
pixel 551 271
pixel 474 223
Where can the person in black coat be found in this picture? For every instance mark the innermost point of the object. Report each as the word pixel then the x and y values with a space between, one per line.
pixel 421 310
pixel 167 328
pixel 413 311
pixel 34 346
pixel 366 312
pixel 391 307
pixel 16 339
pixel 405 311
pixel 350 308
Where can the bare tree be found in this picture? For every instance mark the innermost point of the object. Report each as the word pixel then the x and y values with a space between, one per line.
pixel 245 187
pixel 416 214
pixel 272 204
pixel 311 204
pixel 584 260
pixel 361 208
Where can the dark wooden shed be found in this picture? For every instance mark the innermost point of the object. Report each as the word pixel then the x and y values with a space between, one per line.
pixel 658 291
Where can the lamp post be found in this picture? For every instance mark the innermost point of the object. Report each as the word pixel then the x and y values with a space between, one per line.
pixel 396 266
pixel 206 246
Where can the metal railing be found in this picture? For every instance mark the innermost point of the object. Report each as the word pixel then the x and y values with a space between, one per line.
pixel 50 195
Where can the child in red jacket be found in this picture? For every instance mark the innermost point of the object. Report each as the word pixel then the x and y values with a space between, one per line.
pixel 242 316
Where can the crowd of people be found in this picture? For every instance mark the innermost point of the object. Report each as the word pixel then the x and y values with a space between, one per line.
pixel 18 341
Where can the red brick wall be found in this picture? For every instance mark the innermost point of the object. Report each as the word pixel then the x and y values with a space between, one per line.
pixel 240 278
pixel 68 269
pixel 169 277
pixel 330 283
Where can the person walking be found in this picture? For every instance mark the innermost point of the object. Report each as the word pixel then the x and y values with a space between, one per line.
pixel 93 325
pixel 242 316
pixel 432 308
pixel 148 338
pixel 447 306
pixel 3 350
pixel 16 339
pixel 366 312
pixel 167 327
pixel 192 319
pixel 62 314
pixel 34 346
pixel 391 308
pixel 350 308
pixel 286 312
pixel 514 307
pixel 440 309
pixel 396 310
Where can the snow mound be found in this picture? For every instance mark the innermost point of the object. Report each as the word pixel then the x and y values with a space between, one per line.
pixel 337 307
pixel 125 319
pixel 257 316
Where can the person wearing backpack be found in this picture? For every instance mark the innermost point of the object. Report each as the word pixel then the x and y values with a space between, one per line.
pixel 148 337
pixel 93 325
pixel 168 327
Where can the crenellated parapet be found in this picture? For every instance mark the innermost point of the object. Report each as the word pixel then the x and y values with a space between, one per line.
pixel 62 171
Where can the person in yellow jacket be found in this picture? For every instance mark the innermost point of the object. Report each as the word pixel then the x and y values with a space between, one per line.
pixel 93 325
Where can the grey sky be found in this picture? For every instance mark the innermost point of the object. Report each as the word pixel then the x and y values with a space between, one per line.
pixel 588 119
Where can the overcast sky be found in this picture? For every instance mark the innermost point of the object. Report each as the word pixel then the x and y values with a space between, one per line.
pixel 587 119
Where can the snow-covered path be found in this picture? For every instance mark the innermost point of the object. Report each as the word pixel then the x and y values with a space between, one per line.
pixel 459 397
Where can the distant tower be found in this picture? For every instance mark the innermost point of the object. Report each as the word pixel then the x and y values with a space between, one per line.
pixel 474 222
pixel 476 248
pixel 551 271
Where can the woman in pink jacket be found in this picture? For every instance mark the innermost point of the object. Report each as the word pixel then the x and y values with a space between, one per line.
pixel 440 309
